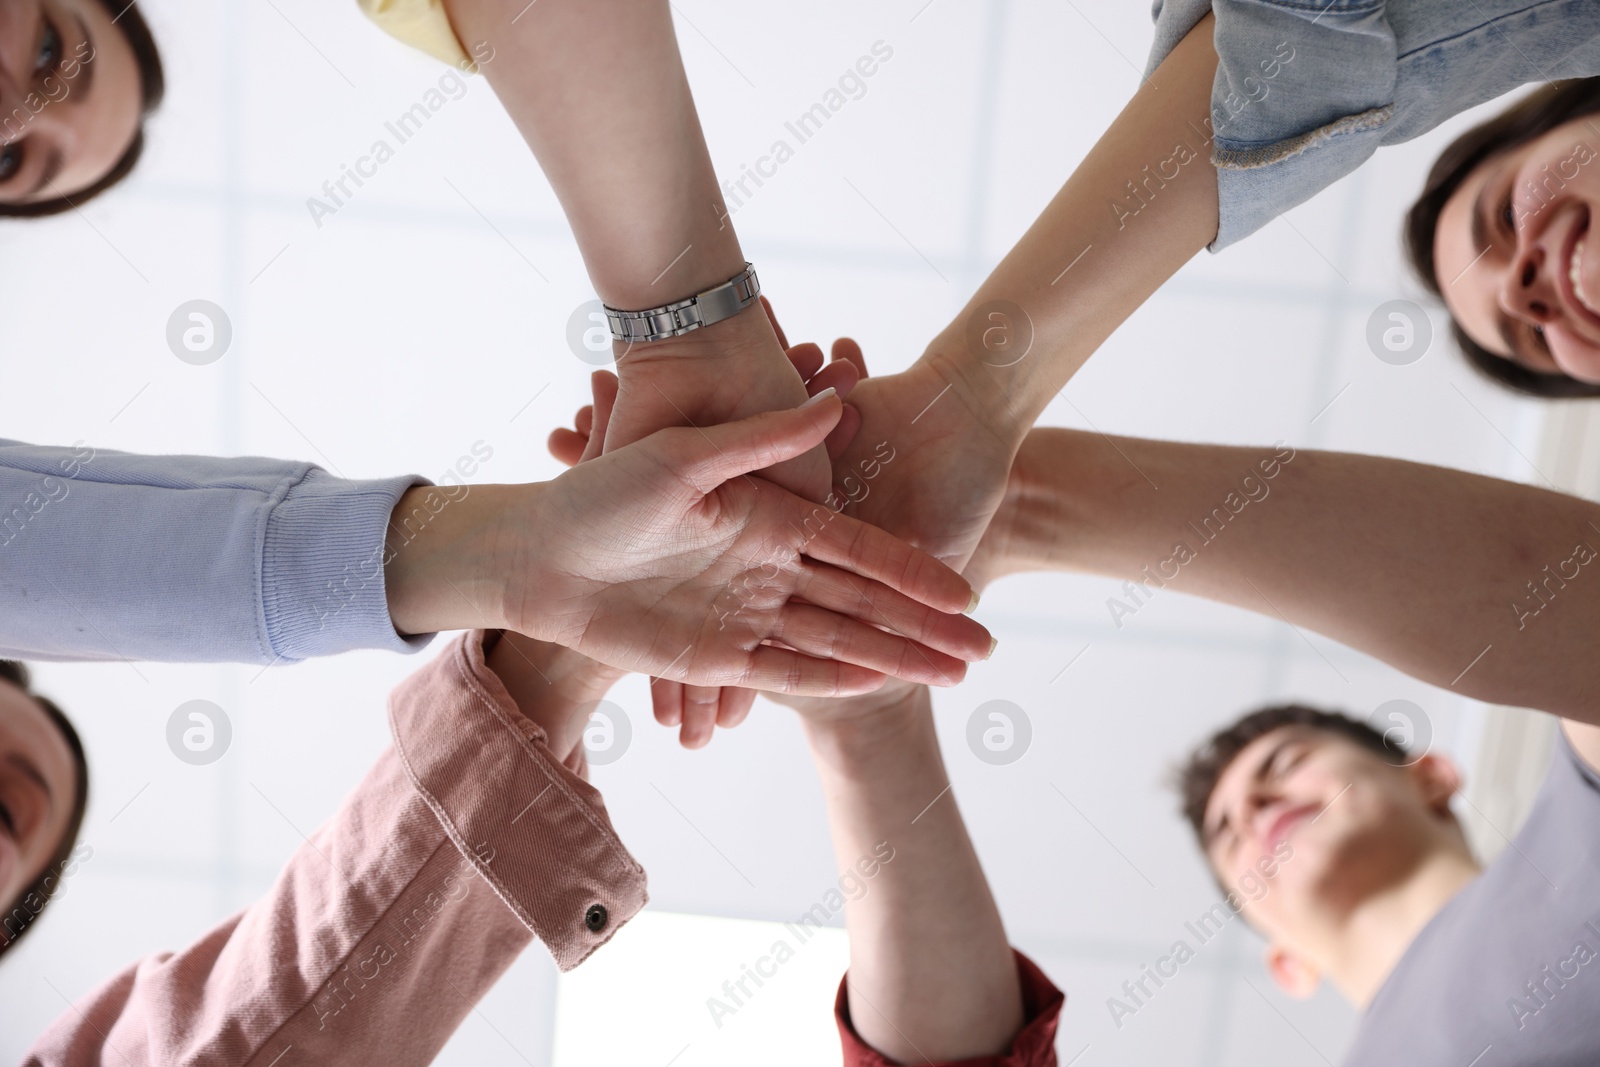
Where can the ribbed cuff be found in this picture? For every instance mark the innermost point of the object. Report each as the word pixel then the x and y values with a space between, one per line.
pixel 321 580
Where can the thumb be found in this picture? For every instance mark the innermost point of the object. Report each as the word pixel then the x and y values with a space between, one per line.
pixel 718 453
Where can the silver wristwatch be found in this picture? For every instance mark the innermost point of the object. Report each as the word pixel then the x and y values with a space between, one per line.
pixel 702 309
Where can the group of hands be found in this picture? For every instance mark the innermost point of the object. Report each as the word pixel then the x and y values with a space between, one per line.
pixel 834 572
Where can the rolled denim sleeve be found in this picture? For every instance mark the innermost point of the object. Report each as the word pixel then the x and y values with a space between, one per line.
pixel 1302 97
pixel 1307 90
pixel 110 555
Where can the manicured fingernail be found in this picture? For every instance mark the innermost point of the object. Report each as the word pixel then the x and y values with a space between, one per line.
pixel 972 605
pixel 994 643
pixel 829 391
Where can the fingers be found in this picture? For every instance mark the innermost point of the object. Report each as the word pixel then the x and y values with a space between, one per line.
pixel 853 596
pixel 708 457
pixel 807 359
pixel 603 385
pixel 566 445
pixel 840 436
pixel 855 546
pixel 840 376
pixel 666 701
pixel 700 704
pixel 772 317
pixel 735 707
pixel 829 635
pixel 783 670
pixel 846 350
pixel 698 710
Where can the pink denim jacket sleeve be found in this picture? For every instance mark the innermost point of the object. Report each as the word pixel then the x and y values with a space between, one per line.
pixel 463 843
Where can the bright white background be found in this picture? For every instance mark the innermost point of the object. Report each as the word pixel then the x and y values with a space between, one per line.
pixel 430 313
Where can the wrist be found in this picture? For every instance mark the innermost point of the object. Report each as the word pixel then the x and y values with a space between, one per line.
pixel 565 676
pixel 441 570
pixel 864 741
pixel 999 396
pixel 538 597
pixel 659 268
pixel 1032 511
pixel 552 685
pixel 735 337
pixel 1063 498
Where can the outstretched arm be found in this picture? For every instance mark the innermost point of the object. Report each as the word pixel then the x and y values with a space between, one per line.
pixel 663 557
pixel 599 93
pixel 931 976
pixel 1487 587
pixel 1140 205
pixel 426 878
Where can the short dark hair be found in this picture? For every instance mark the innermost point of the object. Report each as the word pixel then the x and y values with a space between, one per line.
pixel 152 88
pixel 17 674
pixel 1532 117
pixel 1197 777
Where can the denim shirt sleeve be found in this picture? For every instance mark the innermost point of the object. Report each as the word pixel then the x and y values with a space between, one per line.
pixel 109 555
pixel 1307 90
pixel 1303 93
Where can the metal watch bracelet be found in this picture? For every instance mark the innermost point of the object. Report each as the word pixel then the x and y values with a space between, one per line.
pixel 673 320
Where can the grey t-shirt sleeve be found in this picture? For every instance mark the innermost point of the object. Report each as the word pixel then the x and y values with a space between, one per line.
pixel 110 555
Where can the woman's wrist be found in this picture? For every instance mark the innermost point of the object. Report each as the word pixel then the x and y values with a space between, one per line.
pixel 872 733
pixel 739 336
pixel 993 395
pixel 552 685
pixel 443 567
pixel 1071 498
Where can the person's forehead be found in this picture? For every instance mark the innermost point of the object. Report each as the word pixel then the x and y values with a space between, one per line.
pixel 1238 774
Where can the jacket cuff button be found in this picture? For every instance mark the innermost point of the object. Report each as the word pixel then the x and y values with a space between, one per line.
pixel 595 918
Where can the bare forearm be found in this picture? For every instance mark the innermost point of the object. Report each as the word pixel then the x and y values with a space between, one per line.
pixel 931 973
pixel 1140 205
pixel 1426 568
pixel 598 90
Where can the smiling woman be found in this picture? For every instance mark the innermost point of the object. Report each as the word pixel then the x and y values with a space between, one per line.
pixel 44 788
pixel 1499 233
pixel 77 78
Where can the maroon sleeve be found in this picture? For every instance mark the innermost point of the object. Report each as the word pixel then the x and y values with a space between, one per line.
pixel 1034 1045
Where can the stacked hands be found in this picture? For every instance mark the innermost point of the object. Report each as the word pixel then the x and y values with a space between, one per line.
pixel 726 582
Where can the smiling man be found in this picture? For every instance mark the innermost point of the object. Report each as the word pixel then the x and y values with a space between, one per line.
pixel 1371 884
pixel 1384 898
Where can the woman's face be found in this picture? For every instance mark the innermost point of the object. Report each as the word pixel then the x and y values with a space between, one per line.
pixel 1514 257
pixel 70 97
pixel 38 783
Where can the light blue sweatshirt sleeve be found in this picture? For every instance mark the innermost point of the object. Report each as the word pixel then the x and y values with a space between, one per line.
pixel 110 555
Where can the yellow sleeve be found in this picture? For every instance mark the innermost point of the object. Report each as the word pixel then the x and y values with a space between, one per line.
pixel 422 24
